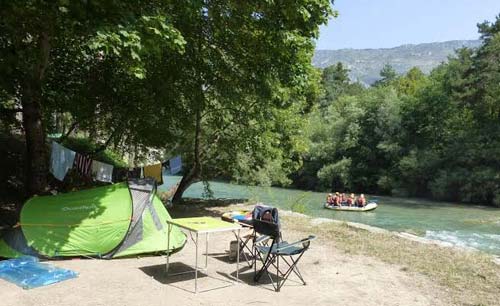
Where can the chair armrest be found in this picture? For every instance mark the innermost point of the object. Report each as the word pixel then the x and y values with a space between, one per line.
pixel 262 238
pixel 305 243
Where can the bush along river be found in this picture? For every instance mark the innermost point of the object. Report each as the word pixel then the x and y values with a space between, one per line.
pixel 462 225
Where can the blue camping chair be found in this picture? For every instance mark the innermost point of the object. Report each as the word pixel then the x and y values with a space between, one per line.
pixel 271 251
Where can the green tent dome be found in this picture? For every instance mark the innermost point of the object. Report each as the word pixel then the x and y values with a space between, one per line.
pixel 111 221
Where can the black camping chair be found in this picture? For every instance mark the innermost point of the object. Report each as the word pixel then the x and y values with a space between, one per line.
pixel 278 251
pixel 248 243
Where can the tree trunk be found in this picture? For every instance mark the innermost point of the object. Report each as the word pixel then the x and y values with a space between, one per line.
pixel 37 162
pixel 195 172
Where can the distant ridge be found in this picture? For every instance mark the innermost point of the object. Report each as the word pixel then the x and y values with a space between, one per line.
pixel 365 64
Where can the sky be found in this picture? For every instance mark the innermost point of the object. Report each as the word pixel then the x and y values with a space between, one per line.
pixel 390 23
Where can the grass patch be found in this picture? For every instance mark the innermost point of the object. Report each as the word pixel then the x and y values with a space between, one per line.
pixel 472 277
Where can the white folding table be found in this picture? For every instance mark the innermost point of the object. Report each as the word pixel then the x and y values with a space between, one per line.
pixel 203 225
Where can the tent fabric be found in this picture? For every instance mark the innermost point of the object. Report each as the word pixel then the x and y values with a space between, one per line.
pixel 97 222
pixel 141 192
pixel 17 243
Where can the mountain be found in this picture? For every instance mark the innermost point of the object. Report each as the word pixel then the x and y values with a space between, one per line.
pixel 365 64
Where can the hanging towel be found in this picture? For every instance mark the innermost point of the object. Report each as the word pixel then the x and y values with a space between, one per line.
pixel 102 172
pixel 61 160
pixel 175 165
pixel 134 173
pixel 154 171
pixel 83 163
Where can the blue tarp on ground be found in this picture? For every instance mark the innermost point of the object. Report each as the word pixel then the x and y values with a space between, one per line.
pixel 27 272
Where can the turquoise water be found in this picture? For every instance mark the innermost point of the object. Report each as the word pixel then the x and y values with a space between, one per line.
pixel 462 225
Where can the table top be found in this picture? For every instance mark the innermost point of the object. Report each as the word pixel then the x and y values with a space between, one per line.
pixel 204 224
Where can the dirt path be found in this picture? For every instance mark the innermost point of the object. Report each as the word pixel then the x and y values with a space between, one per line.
pixel 333 278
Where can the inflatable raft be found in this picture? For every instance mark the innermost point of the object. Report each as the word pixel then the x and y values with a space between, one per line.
pixel 368 207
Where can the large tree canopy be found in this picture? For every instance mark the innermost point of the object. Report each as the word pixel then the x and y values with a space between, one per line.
pixel 217 81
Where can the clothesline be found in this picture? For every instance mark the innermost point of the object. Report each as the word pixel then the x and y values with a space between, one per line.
pixel 63 159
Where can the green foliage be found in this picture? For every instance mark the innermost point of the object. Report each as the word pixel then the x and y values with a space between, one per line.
pixel 209 80
pixel 335 83
pixel 388 75
pixel 207 191
pixel 414 135
pixel 85 146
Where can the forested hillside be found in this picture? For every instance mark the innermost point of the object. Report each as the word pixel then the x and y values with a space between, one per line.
pixel 435 135
pixel 365 64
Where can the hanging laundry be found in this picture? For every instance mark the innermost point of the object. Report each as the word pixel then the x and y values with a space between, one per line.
pixel 134 173
pixel 120 174
pixel 61 160
pixel 175 164
pixel 154 171
pixel 83 163
pixel 102 172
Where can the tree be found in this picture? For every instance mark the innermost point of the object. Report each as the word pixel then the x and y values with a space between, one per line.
pixel 238 96
pixel 37 35
pixel 211 80
pixel 410 83
pixel 335 82
pixel 387 74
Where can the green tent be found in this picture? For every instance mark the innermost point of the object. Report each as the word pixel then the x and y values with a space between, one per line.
pixel 106 222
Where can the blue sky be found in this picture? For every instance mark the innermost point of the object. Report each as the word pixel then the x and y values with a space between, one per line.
pixel 390 23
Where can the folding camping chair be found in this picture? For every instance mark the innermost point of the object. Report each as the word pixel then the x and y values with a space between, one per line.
pixel 278 251
pixel 250 240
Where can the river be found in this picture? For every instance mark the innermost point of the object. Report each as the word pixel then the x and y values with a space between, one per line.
pixel 463 225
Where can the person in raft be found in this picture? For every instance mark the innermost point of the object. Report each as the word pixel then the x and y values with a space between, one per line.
pixel 361 201
pixel 329 199
pixel 351 200
pixel 333 200
pixel 343 199
pixel 337 200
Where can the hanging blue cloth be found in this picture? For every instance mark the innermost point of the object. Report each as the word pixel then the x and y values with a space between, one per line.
pixel 175 164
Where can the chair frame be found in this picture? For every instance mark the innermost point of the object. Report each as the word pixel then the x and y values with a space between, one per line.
pixel 271 255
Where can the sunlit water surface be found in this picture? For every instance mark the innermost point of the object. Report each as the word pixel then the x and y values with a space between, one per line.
pixel 462 225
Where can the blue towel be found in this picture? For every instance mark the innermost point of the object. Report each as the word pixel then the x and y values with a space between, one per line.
pixel 175 164
pixel 61 160
pixel 27 272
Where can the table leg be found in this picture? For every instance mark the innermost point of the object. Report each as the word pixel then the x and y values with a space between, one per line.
pixel 169 229
pixel 196 267
pixel 238 258
pixel 206 252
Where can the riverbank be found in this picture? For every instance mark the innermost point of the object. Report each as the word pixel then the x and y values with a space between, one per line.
pixel 465 277
pixel 461 225
pixel 346 265
pixel 333 277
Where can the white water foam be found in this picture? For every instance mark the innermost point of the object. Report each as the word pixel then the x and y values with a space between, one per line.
pixel 489 242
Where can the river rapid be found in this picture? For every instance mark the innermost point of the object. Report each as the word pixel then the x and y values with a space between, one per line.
pixel 462 225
